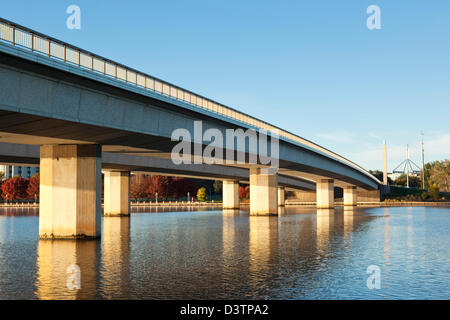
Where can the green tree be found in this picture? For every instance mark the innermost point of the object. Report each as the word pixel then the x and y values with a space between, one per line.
pixel 201 194
pixel 414 181
pixel 433 192
pixel 379 175
pixel 217 186
pixel 438 173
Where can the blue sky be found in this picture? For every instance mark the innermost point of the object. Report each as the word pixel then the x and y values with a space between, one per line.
pixel 310 67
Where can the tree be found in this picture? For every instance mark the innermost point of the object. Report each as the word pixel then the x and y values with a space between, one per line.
pixel 138 187
pixel 179 187
pixel 379 175
pixel 15 188
pixel 158 184
pixel 438 173
pixel 201 194
pixel 33 187
pixel 414 181
pixel 244 192
pixel 218 184
pixel 433 192
pixel 2 176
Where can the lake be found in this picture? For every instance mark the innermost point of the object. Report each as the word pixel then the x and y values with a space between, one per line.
pixel 204 253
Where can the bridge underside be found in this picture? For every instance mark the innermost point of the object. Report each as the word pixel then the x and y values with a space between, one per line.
pixel 84 121
pixel 19 128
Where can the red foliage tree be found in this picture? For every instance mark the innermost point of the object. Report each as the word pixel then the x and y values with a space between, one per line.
pixel 160 185
pixel 15 188
pixel 33 187
pixel 244 192
pixel 179 187
pixel 138 187
pixel 144 186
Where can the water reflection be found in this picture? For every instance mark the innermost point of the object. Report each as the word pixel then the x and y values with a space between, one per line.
pixel 302 253
pixel 349 216
pixel 324 227
pixel 54 257
pixel 115 257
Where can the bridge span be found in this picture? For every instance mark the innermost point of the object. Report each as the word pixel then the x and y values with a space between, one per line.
pixel 86 112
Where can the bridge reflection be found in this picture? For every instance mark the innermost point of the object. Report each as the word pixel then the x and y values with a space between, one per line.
pixel 200 255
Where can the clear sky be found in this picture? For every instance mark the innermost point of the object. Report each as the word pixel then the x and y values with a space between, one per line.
pixel 310 67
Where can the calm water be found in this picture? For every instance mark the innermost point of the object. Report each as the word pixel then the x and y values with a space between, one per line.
pixel 302 254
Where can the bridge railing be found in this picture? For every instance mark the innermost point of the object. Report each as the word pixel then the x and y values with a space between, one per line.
pixel 37 42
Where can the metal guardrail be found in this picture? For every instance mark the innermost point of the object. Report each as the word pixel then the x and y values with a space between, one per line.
pixel 18 35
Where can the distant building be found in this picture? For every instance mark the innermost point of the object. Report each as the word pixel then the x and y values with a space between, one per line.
pixel 24 172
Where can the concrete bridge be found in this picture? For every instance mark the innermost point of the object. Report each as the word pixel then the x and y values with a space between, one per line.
pixel 86 112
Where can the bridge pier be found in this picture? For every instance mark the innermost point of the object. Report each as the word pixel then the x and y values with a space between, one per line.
pixel 70 189
pixel 117 193
pixel 263 193
pixel 350 196
pixel 281 196
pixel 230 194
pixel 325 194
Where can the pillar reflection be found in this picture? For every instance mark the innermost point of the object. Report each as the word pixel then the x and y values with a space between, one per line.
pixel 349 213
pixel 54 259
pixel 324 226
pixel 263 242
pixel 115 256
pixel 229 243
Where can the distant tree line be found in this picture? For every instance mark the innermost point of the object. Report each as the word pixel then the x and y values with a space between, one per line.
pixel 437 175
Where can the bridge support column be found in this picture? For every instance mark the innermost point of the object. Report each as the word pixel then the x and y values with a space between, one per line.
pixel 117 193
pixel 230 192
pixel 350 196
pixel 263 193
pixel 70 190
pixel 281 196
pixel 325 194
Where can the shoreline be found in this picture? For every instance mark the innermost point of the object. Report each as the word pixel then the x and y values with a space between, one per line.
pixel 288 203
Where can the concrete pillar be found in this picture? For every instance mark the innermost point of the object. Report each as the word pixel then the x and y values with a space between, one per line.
pixel 230 194
pixel 70 189
pixel 117 193
pixel 263 193
pixel 325 194
pixel 350 196
pixel 281 196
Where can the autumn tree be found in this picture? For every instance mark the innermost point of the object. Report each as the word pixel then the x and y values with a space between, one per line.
pixel 201 194
pixel 179 187
pixel 15 188
pixel 138 187
pixel 158 184
pixel 33 187
pixel 244 192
